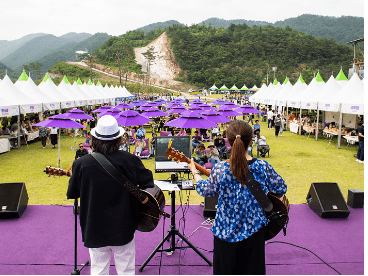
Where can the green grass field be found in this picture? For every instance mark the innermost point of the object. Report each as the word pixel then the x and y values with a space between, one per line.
pixel 300 161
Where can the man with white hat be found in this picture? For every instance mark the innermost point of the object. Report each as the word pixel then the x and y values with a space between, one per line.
pixel 108 212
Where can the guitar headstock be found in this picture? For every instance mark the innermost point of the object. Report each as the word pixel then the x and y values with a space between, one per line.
pixel 57 171
pixel 174 154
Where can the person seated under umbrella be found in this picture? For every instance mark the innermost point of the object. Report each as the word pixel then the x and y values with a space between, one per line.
pixel 220 144
pixel 212 154
pixel 201 158
pixel 81 151
pixel 140 145
pixel 196 139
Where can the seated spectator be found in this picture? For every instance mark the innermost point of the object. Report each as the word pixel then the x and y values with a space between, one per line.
pixel 215 131
pixel 182 132
pixel 220 144
pixel 139 146
pixel 124 142
pixel 213 154
pixel 153 143
pixel 141 133
pixel 88 137
pixel 81 151
pixel 196 139
pixel 262 145
pixel 256 127
pixel 201 155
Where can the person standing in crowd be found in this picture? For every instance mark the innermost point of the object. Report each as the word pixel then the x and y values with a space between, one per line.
pixel 108 212
pixel 53 136
pixel 360 154
pixel 277 125
pixel 43 134
pixel 282 122
pixel 81 151
pixel 239 232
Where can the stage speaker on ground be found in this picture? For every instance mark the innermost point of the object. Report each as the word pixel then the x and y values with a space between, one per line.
pixel 326 200
pixel 13 199
pixel 210 206
pixel 355 198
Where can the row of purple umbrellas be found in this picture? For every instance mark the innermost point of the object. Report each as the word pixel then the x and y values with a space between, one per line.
pixel 197 116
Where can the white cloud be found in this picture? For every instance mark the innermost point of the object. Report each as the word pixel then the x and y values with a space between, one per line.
pixel 116 17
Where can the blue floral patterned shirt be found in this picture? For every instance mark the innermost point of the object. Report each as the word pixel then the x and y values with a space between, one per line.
pixel 238 213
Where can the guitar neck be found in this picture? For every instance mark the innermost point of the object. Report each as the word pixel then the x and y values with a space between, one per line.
pixel 199 167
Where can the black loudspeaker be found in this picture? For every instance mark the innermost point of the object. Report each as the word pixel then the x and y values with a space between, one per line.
pixel 355 198
pixel 210 206
pixel 326 200
pixel 13 200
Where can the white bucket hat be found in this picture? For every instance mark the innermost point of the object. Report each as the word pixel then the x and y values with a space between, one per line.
pixel 107 129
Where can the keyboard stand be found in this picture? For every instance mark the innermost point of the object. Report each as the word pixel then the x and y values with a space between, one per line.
pixel 171 234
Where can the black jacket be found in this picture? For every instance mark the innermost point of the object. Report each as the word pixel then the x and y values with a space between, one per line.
pixel 108 211
pixel 80 153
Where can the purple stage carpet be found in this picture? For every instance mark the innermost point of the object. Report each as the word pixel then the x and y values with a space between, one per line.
pixel 42 242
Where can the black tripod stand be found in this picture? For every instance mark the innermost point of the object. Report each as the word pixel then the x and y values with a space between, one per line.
pixel 76 271
pixel 171 234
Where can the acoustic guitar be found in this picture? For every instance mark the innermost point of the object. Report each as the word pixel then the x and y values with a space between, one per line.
pixel 149 210
pixel 280 202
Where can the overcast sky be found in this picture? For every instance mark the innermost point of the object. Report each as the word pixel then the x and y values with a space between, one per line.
pixel 116 17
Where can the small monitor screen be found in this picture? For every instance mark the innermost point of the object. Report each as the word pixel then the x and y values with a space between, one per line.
pixel 180 143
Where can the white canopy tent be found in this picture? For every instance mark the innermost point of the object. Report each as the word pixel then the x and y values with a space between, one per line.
pixel 76 89
pixel 65 89
pixel 50 88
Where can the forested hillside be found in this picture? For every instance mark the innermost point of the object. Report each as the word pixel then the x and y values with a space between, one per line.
pixel 241 54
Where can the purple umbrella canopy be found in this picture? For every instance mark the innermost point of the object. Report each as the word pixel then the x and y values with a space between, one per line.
pixel 138 103
pixel 102 108
pixel 231 105
pixel 131 118
pixel 124 106
pixel 195 109
pixel 176 109
pixel 153 112
pixel 226 111
pixel 247 109
pixel 218 102
pixel 59 122
pixel 160 101
pixel 112 111
pixel 190 119
pixel 145 107
pixel 171 105
pixel 77 114
pixel 206 107
pixel 215 117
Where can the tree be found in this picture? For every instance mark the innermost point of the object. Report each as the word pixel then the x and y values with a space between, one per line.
pixel 150 57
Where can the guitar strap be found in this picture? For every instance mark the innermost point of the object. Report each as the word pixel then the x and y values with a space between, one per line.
pixel 258 193
pixel 129 186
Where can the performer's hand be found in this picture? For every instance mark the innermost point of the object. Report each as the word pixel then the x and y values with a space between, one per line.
pixel 191 166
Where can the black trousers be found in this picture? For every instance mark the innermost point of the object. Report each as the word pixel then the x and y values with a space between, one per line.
pixel 277 130
pixel 246 257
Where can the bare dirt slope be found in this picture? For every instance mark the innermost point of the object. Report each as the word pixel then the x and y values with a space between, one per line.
pixel 164 68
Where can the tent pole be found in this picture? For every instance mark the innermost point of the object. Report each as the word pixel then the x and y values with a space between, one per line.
pixel 59 147
pixel 340 123
pixel 19 129
pixel 300 127
pixel 317 130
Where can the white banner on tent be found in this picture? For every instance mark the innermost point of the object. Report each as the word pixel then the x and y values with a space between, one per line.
pixel 353 109
pixel 31 108
pixel 6 111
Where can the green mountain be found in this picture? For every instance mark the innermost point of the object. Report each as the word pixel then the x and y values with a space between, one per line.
pixel 38 47
pixel 8 47
pixel 67 53
pixel 342 29
pixel 154 26
pixel 222 23
pixel 5 70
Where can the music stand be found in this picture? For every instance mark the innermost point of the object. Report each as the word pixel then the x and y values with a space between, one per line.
pixel 171 234
pixel 76 271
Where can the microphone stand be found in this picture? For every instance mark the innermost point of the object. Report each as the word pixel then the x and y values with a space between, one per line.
pixel 76 271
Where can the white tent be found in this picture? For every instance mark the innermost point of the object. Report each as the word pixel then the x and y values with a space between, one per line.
pixel 307 96
pixel 50 89
pixel 77 90
pixel 64 89
pixel 126 93
pixel 95 91
pixel 32 90
pixel 10 92
pixel 8 108
pixel 85 88
pixel 107 93
pixel 294 93
pixel 104 95
pixel 327 95
pixel 352 96
pixel 281 98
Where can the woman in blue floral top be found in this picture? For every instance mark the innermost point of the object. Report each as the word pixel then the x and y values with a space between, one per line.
pixel 239 233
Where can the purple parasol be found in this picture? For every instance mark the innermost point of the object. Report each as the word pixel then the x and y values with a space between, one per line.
pixel 112 111
pixel 218 102
pixel 231 105
pixel 59 121
pixel 171 105
pixel 206 107
pixel 215 117
pixel 153 112
pixel 247 109
pixel 190 119
pixel 124 106
pixel 102 108
pixel 145 107
pixel 195 109
pixel 226 111
pixel 138 103
pixel 77 114
pixel 177 109
pixel 131 118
